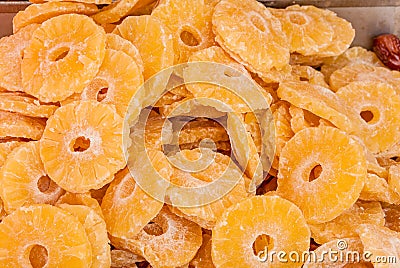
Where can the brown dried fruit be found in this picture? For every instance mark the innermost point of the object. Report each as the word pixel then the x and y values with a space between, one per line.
pixel 387 48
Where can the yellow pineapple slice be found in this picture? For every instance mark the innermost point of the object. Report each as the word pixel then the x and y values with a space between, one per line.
pixel 11 55
pixel 392 216
pixel 40 235
pixel 190 23
pixel 380 241
pixel 119 9
pixel 125 200
pixel 266 223
pixel 20 126
pixel 26 105
pixel 206 214
pixel 345 225
pixel 24 180
pixel 203 256
pixel 39 13
pixel 321 102
pixel 82 200
pixel 377 189
pixel 124 258
pixel 116 82
pixel 142 31
pixel 363 72
pixel 306 28
pixel 346 256
pixel 60 60
pixel 96 231
pixel 378 106
pixel 83 145
pixel 167 241
pixel 331 172
pixel 258 36
pixel 116 42
pixel 309 74
pixel 353 55
pixel 6 148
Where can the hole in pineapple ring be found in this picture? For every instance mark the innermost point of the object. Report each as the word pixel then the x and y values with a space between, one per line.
pixel 297 18
pixel 189 39
pixel 370 115
pixel 59 53
pixel 262 243
pixel 102 94
pixel 153 228
pixel 38 256
pixel 315 173
pixel 80 144
pixel 258 22
pixel 44 183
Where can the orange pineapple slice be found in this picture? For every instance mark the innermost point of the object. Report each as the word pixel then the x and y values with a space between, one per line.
pixel 83 145
pixel 24 180
pixel 19 126
pixel 11 55
pixel 26 105
pixel 96 231
pixel 167 241
pixel 309 74
pixel 6 148
pixel 190 23
pixel 125 200
pixel 378 189
pixel 353 55
pixel 321 102
pixel 331 172
pixel 266 222
pixel 378 106
pixel 142 31
pixel 203 257
pixel 206 215
pixel 41 235
pixel 306 27
pixel 97 2
pixel 380 241
pixel 363 72
pixel 258 35
pixel 81 200
pixel 346 224
pixel 119 9
pixel 116 82
pixel 39 13
pixel 60 60
pixel 124 258
pixel 116 42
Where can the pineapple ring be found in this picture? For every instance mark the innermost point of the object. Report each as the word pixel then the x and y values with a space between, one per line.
pixel 335 188
pixel 258 35
pixel 13 125
pixel 265 222
pixel 43 234
pixel 60 60
pixel 190 23
pixel 24 180
pixel 378 105
pixel 39 13
pixel 92 137
pixel 168 241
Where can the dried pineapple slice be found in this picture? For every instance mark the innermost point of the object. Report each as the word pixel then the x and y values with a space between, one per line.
pixel 116 82
pixel 60 60
pixel 142 31
pixel 266 222
pixel 190 23
pixel 24 180
pixel 258 35
pixel 14 125
pixel 81 200
pixel 6 148
pixel 203 256
pixel 377 189
pixel 39 13
pixel 378 106
pixel 331 172
pixel 41 235
pixel 345 225
pixel 96 231
pixel 92 138
pixel 11 55
pixel 167 241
